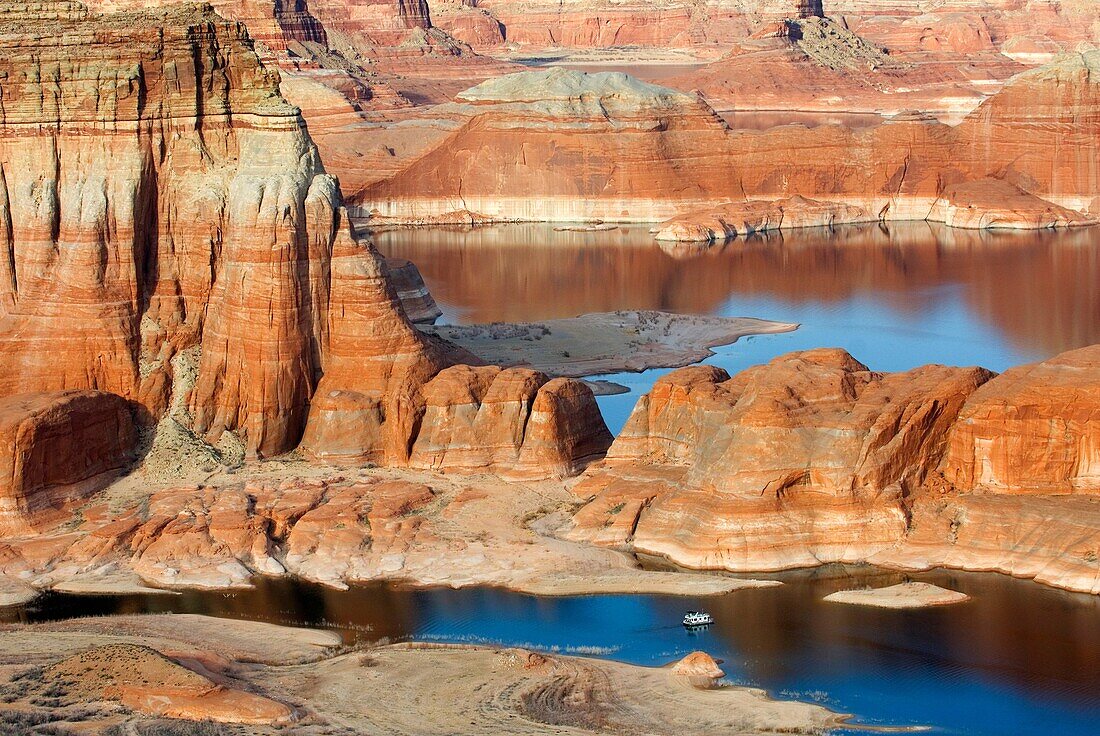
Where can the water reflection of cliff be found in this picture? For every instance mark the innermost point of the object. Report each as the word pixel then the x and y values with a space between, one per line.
pixel 1018 634
pixel 1040 289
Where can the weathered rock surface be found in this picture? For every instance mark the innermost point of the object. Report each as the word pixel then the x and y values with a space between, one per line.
pixel 416 300
pixel 492 419
pixel 1035 429
pixel 58 447
pixel 557 145
pixel 698 664
pixel 994 203
pixel 131 244
pixel 562 145
pixel 814 459
pixel 805 460
pixel 192 255
pixel 286 517
pixel 744 218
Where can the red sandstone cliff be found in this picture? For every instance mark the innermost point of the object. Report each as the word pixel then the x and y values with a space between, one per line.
pixel 563 145
pixel 57 447
pixel 172 238
pixel 812 459
pixel 806 459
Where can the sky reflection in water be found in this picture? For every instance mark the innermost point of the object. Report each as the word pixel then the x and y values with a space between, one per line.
pixel 896 297
pixel 1018 658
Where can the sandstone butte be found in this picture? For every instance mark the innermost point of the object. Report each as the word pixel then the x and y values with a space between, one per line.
pixel 160 199
pixel 564 145
pixel 172 239
pixel 813 458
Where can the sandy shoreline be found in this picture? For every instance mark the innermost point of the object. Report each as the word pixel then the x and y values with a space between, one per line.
pixel 396 689
pixel 903 595
pixel 605 342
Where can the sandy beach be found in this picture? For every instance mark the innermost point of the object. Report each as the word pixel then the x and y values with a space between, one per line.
pixel 903 595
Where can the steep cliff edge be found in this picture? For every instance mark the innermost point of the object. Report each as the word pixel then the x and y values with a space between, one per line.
pixel 564 145
pixel 157 192
pixel 160 200
pixel 814 459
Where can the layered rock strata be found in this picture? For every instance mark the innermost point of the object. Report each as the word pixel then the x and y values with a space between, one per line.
pixel 814 459
pixel 807 459
pixel 564 145
pixel 159 197
pixel 57 447
pixel 1033 430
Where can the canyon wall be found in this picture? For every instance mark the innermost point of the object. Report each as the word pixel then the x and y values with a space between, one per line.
pixel 564 145
pixel 813 458
pixel 159 193
pixel 172 238
pixel 1034 29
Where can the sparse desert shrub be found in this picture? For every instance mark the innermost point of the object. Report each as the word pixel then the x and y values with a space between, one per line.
pixel 25 722
pixel 172 727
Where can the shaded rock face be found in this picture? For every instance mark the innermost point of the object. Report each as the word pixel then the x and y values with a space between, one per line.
pixel 807 459
pixel 57 447
pixel 537 146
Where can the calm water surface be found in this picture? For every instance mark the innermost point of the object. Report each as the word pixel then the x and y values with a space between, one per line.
pixel 894 297
pixel 1016 659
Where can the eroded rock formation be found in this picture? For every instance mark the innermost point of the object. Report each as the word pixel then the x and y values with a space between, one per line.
pixel 160 200
pixel 56 447
pixel 803 460
pixel 1033 430
pixel 564 145
pixel 812 458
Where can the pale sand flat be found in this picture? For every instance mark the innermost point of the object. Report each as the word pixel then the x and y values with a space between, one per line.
pixel 903 595
pixel 605 342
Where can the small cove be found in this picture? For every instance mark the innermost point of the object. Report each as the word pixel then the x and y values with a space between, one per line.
pixel 895 297
pixel 1019 658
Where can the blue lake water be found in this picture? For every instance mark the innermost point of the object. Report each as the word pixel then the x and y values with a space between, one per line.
pixel 1018 658
pixel 896 297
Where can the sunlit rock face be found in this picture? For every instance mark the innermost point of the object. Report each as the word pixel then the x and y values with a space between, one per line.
pixel 809 457
pixel 559 144
pixel 159 197
pixel 516 421
pixel 56 447
pixel 612 23
pixel 1029 29
pixel 1033 429
pixel 563 145
pixel 157 193
pixel 813 459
